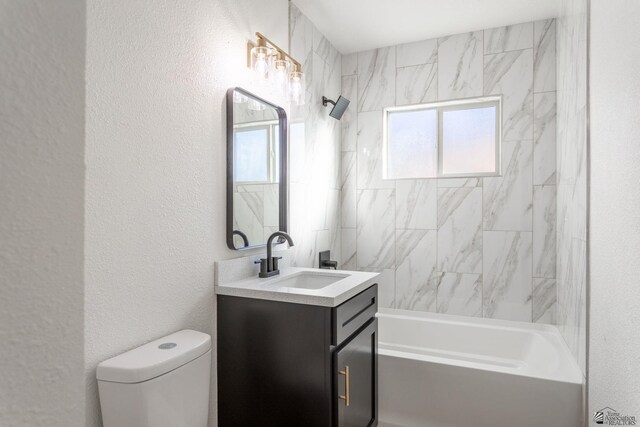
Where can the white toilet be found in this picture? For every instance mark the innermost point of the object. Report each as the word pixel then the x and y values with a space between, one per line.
pixel 164 383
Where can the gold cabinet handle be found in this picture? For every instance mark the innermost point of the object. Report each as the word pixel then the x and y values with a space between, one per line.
pixel 345 397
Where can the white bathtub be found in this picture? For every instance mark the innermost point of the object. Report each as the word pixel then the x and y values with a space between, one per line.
pixel 450 371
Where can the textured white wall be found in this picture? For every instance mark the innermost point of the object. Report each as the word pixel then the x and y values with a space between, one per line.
pixel 42 55
pixel 157 73
pixel 614 351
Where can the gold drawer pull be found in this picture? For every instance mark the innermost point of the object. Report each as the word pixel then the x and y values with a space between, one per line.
pixel 346 386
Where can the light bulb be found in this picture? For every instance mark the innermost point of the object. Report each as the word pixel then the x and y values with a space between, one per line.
pixel 281 73
pixel 260 57
pixel 297 88
pixel 261 66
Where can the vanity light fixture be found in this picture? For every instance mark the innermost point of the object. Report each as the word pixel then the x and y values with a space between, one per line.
pixel 275 65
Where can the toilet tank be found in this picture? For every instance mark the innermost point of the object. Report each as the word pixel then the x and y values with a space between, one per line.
pixel 164 383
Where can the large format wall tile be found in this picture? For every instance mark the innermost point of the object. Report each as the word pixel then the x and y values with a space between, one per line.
pixel 544 138
pixel 386 286
pixel 271 206
pixel 348 249
pixel 544 231
pixel 348 123
pixel 301 36
pixel 416 270
pixel 544 300
pixel 571 173
pixel 460 230
pixel 459 182
pixel 376 229
pixel 470 280
pixel 571 298
pixel 416 84
pixel 460 66
pixel 508 199
pixel 348 190
pixel 512 37
pixel 322 46
pixel 369 162
pixel 507 275
pixel 350 65
pixel 297 151
pixel 316 203
pixel 248 207
pixel 510 74
pixel 376 79
pixel 544 52
pixel 333 223
pixel 416 204
pixel 314 156
pixel 417 53
pixel 460 294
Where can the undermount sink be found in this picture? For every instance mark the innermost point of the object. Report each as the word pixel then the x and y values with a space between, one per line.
pixel 309 280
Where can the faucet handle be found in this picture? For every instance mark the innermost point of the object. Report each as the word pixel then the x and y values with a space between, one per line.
pixel 263 264
pixel 324 261
pixel 275 262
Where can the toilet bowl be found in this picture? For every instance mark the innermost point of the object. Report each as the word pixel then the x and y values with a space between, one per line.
pixel 164 383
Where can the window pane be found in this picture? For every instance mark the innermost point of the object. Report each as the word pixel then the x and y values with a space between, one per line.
pixel 469 141
pixel 251 152
pixel 412 144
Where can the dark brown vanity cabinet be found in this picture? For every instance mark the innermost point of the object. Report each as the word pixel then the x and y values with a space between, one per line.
pixel 285 364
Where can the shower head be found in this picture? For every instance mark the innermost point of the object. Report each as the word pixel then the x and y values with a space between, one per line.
pixel 339 106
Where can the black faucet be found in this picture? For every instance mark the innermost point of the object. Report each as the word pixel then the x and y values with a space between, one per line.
pixel 269 265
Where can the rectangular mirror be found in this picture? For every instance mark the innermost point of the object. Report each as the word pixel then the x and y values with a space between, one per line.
pixel 256 169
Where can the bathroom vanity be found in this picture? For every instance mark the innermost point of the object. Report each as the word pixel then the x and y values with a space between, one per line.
pixel 298 350
pixel 296 346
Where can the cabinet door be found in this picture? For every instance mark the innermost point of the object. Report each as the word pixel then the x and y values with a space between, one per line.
pixel 356 379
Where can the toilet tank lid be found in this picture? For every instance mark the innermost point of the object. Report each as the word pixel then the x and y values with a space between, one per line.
pixel 155 358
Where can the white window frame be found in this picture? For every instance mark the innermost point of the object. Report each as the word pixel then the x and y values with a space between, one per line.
pixel 441 107
pixel 270 127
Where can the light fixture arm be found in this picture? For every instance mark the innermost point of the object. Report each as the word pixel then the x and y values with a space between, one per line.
pixel 263 41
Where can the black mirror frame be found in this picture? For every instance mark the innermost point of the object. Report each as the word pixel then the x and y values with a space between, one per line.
pixel 282 202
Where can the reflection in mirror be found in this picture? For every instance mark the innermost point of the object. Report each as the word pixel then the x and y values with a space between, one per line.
pixel 257 189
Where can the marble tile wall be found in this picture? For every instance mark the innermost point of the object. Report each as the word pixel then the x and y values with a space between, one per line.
pixel 256 212
pixel 480 247
pixel 571 176
pixel 315 157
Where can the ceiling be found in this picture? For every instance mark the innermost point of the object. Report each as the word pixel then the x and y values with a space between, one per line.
pixel 357 25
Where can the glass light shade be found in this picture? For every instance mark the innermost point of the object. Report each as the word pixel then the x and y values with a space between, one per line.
pixel 297 88
pixel 280 73
pixel 239 98
pixel 260 61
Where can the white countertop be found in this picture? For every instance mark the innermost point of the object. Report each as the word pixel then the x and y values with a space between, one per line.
pixel 329 296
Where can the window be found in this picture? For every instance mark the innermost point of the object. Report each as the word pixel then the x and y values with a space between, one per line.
pixel 447 139
pixel 256 156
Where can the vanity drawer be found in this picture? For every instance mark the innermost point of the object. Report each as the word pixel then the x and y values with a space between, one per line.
pixel 351 315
